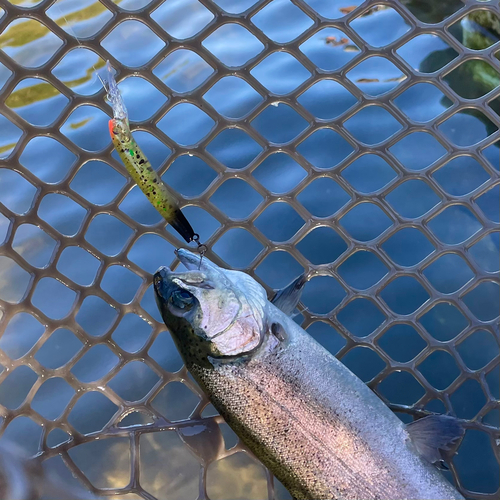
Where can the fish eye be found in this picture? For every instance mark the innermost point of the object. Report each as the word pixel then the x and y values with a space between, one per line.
pixel 182 299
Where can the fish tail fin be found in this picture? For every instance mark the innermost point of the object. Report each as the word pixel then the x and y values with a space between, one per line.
pixel 434 434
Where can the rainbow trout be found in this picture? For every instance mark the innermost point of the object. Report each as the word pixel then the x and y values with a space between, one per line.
pixel 312 422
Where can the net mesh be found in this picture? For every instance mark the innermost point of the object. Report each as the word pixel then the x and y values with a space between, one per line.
pixel 80 242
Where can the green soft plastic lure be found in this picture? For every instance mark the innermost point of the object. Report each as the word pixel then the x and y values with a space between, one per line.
pixel 139 167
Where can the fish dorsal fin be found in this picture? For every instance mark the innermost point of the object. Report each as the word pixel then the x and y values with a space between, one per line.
pixel 287 298
pixel 434 434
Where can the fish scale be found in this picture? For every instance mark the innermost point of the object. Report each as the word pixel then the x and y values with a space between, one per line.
pixel 312 449
pixel 321 431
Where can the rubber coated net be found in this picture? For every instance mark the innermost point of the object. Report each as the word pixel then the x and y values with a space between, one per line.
pixel 357 141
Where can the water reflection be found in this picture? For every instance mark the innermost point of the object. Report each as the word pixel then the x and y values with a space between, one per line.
pixel 77 70
pixel 37 102
pixel 80 18
pixel 29 42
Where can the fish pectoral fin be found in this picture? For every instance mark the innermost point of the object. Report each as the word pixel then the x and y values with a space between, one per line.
pixel 434 434
pixel 441 465
pixel 278 331
pixel 287 298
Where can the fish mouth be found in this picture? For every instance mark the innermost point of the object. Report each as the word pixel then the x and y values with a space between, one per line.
pixel 189 259
pixel 161 282
pixel 163 278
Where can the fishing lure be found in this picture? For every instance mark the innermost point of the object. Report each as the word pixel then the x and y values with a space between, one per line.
pixel 140 168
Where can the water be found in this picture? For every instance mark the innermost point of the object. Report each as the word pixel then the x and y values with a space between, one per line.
pixel 76 353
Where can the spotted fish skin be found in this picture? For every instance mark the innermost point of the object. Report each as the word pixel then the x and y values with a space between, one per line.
pixel 317 427
pixel 321 431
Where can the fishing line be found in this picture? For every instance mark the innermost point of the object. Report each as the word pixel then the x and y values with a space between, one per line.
pixel 201 248
pixel 73 34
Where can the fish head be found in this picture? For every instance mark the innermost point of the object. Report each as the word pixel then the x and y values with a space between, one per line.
pixel 210 311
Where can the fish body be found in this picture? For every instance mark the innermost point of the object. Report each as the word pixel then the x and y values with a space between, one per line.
pixel 312 422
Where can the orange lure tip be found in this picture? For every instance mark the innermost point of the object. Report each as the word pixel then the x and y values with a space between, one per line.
pixel 111 126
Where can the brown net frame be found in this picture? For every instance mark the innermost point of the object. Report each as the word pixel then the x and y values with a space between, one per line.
pixel 21 277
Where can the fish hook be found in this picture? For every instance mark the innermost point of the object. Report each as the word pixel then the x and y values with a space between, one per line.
pixel 201 248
